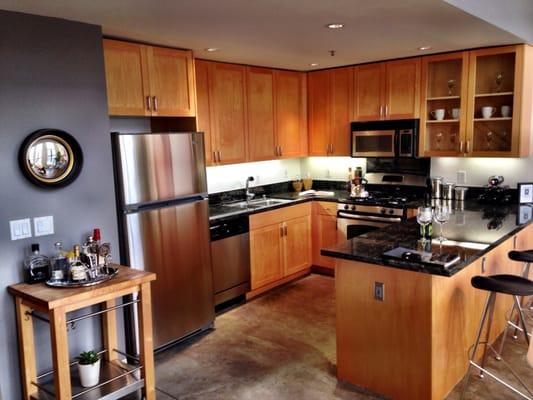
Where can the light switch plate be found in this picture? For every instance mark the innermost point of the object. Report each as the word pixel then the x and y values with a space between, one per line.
pixel 379 291
pixel 20 228
pixel 43 225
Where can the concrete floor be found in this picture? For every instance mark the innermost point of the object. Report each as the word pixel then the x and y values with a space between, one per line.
pixel 280 346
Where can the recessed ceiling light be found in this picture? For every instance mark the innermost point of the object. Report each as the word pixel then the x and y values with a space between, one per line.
pixel 335 25
pixel 211 49
pixel 424 48
pixel 314 64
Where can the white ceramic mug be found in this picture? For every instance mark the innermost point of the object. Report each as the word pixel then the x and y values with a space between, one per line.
pixel 488 112
pixel 506 111
pixel 438 114
pixel 456 112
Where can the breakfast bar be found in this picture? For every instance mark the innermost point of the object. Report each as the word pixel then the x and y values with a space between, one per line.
pixel 404 329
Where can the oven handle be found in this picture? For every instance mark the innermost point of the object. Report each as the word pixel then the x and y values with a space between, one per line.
pixel 368 217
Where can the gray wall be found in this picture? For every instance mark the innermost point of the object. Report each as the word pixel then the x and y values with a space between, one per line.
pixel 51 76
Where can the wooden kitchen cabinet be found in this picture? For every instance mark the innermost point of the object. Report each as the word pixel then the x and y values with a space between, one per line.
pixel 280 246
pixel 444 86
pixel 330 95
pixel 148 81
pixel 500 77
pixel 469 81
pixel 222 111
pixel 276 114
pixel 387 90
pixel 290 113
pixel 261 126
pixel 325 233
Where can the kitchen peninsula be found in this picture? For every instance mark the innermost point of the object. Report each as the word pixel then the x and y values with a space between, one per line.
pixel 414 343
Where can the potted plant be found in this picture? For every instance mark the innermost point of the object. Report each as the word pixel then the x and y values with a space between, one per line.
pixel 89 368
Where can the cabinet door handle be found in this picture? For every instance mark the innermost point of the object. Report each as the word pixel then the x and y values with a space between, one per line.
pixel 280 151
pixel 285 230
pixel 514 242
pixel 332 149
pixel 468 146
pixel 461 146
pixel 386 110
pixel 483 268
pixel 281 231
pixel 148 103
pixel 219 157
pixel 155 103
pixel 214 156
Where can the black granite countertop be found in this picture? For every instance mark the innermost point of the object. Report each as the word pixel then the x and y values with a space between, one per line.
pixel 472 231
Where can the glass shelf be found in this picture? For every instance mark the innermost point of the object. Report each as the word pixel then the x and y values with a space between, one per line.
pixel 494 94
pixel 493 119
pixel 443 121
pixel 443 98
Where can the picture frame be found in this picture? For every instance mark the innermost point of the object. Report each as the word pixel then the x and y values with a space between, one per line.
pixel 525 192
pixel 525 214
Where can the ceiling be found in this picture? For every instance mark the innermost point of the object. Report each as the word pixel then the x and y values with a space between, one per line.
pixel 284 33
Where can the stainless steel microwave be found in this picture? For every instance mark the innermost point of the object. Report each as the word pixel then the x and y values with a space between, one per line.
pixel 391 138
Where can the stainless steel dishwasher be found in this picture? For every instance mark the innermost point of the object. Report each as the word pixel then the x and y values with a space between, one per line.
pixel 230 254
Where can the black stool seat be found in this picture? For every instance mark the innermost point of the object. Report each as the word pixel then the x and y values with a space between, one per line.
pixel 524 256
pixel 508 284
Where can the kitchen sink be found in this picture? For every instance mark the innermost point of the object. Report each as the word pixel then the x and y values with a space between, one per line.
pixel 259 203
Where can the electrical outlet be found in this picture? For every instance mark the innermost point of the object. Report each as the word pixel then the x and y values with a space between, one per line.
pixel 461 177
pixel 379 291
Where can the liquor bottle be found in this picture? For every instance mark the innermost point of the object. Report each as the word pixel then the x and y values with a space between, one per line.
pixel 96 245
pixel 36 266
pixel 59 265
pixel 78 270
pixel 350 180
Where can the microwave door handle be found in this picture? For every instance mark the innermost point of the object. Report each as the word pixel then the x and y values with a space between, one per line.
pixel 397 150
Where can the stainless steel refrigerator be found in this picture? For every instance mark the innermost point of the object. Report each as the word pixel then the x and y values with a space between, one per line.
pixel 164 228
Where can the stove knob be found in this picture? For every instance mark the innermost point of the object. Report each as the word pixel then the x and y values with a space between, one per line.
pixel 383 211
pixel 346 207
pixel 353 208
pixel 391 211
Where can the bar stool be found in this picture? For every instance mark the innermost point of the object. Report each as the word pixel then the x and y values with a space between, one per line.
pixel 526 257
pixel 515 286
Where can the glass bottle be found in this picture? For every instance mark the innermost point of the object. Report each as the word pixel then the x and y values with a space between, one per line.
pixel 36 266
pixel 59 265
pixel 78 271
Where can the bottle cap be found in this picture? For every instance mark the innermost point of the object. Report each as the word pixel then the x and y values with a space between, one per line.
pixel 96 234
pixel 34 247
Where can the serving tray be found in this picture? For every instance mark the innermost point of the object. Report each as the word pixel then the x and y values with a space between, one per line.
pixel 105 274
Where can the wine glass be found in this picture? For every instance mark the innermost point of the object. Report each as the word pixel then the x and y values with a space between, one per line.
pixel 441 216
pixel 423 217
pixel 451 86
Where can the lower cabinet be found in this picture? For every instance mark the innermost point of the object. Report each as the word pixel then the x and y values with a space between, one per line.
pixel 280 244
pixel 325 233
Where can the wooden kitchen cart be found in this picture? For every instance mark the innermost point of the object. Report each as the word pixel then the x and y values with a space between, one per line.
pixel 53 305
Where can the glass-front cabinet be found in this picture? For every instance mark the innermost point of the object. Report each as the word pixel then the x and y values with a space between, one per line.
pixel 444 104
pixel 477 103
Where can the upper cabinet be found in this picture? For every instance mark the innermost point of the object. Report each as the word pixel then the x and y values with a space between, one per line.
pixel 387 90
pixel 477 103
pixel 148 81
pixel 330 104
pixel 250 113
pixel 290 114
pixel 222 94
pixel 443 104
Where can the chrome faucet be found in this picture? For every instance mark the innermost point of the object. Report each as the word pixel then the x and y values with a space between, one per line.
pixel 249 195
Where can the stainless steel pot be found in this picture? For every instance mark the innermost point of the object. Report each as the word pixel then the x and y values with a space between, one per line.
pixel 448 190
pixel 436 187
pixel 460 193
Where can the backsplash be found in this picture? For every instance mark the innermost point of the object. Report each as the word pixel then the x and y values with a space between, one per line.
pixel 479 169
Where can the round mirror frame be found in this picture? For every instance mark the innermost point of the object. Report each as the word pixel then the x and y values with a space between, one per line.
pixel 59 137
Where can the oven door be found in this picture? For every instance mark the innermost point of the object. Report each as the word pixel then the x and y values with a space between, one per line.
pixel 352 225
pixel 379 143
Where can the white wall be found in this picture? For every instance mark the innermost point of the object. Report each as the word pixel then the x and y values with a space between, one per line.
pixel 334 168
pixel 479 169
pixel 230 177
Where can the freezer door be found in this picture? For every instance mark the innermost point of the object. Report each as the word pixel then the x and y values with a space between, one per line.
pixel 173 242
pixel 158 167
